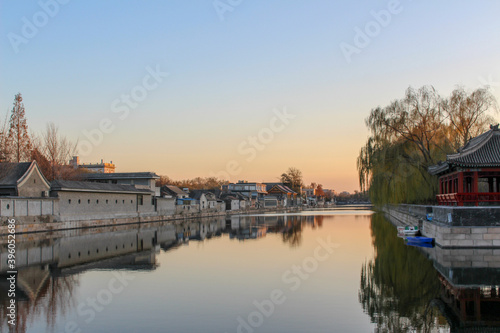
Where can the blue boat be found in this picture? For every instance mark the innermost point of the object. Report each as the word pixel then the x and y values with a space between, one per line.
pixel 419 239
pixel 420 244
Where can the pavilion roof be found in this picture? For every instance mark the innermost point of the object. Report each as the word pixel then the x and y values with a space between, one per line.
pixel 481 151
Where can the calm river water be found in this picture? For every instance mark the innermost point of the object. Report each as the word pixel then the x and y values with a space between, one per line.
pixel 322 271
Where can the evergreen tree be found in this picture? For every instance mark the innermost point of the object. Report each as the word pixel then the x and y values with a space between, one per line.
pixel 18 139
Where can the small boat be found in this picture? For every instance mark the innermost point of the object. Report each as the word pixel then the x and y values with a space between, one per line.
pixel 420 244
pixel 408 231
pixel 419 239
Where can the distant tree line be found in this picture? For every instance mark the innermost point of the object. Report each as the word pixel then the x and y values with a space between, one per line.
pixel 415 132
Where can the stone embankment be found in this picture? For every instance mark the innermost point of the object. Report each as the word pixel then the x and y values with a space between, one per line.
pixel 451 227
pixel 25 225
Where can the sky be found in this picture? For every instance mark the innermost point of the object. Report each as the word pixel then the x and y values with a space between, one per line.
pixel 237 89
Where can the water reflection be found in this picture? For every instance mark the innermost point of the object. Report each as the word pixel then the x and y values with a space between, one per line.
pixel 398 284
pixel 429 289
pixel 50 265
pixel 400 288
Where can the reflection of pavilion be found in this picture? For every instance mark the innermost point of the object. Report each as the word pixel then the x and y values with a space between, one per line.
pixel 470 296
pixel 467 307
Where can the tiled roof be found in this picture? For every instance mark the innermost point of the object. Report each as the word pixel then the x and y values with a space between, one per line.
pixel 481 151
pixel 282 188
pixel 69 185
pixel 121 175
pixel 174 190
pixel 10 173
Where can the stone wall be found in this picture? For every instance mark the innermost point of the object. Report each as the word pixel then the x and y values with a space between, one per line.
pixel 28 209
pixel 95 205
pixel 459 231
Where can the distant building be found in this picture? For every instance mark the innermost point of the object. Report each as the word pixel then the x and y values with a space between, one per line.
pixel 93 167
pixel 285 196
pixel 255 192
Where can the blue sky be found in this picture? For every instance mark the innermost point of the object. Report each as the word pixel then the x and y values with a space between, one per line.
pixel 225 77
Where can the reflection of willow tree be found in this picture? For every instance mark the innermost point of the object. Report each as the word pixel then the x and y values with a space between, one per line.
pixel 398 284
pixel 52 299
pixel 292 233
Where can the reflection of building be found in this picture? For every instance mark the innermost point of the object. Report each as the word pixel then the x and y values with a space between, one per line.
pixel 470 293
pixel 470 307
pixel 472 175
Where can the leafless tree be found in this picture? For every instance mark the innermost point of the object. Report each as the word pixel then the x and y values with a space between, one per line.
pixel 57 150
pixel 468 113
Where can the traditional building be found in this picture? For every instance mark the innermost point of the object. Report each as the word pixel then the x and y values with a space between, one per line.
pixel 472 175
pixel 285 196
pixel 141 180
pixel 173 191
pixel 83 200
pixel 23 180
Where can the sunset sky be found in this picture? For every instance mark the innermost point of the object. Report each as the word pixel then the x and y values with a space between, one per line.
pixel 234 87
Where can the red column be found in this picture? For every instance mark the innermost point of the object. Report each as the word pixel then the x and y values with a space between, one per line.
pixel 460 183
pixel 475 184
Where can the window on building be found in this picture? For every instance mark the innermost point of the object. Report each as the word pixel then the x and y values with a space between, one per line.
pixel 79 201
pixel 88 201
pixel 140 199
pixel 69 201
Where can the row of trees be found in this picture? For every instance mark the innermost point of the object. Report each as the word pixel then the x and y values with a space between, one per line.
pixel 291 178
pixel 415 132
pixel 198 183
pixel 50 149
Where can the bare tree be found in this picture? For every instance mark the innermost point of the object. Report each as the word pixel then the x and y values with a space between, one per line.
pixel 57 150
pixel 468 113
pixel 18 140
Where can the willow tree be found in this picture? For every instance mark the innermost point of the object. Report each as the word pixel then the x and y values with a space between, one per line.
pixel 406 138
pixel 413 133
pixel 18 139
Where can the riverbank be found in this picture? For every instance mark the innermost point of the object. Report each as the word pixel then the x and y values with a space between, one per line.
pixel 451 227
pixel 26 226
